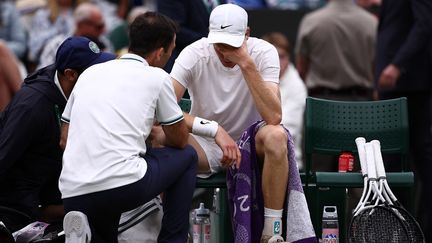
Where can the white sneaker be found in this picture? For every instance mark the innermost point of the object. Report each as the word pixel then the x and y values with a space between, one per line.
pixel 275 239
pixel 76 228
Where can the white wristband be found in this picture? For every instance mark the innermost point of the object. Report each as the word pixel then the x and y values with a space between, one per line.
pixel 203 127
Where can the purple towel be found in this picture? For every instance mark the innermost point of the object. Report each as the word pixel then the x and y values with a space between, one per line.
pixel 246 199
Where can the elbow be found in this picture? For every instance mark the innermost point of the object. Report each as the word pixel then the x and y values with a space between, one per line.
pixel 62 145
pixel 274 119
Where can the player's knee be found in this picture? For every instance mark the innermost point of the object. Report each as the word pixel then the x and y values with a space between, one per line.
pixel 275 140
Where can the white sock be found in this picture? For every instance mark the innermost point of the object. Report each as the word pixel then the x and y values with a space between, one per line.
pixel 272 222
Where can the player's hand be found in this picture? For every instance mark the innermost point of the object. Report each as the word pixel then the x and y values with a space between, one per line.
pixel 389 76
pixel 231 151
pixel 241 54
pixel 232 54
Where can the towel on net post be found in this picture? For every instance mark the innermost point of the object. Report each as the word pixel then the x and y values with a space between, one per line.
pixel 246 200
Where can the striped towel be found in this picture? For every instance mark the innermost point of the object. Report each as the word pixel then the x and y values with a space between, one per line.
pixel 246 200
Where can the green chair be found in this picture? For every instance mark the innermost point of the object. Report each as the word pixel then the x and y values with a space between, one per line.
pixel 215 181
pixel 119 36
pixel 331 128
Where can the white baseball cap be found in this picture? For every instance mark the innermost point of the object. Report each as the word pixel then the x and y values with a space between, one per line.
pixel 228 24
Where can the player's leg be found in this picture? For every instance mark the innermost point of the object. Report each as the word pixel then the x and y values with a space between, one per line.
pixel 209 154
pixel 271 147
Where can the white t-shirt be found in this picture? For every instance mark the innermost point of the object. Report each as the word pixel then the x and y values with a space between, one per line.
pixel 219 93
pixel 293 97
pixel 111 112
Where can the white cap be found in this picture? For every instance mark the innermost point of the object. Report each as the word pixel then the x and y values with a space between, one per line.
pixel 228 24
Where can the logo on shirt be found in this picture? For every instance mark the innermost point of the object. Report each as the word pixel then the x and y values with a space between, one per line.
pixel 226 26
pixel 204 122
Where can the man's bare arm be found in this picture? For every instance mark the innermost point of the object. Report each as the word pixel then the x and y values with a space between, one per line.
pixel 64 134
pixel 176 135
pixel 265 94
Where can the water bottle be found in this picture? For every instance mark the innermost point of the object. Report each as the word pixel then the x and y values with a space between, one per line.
pixel 330 225
pixel 201 225
pixel 215 216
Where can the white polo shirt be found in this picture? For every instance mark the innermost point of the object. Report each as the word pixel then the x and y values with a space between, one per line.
pixel 220 93
pixel 111 112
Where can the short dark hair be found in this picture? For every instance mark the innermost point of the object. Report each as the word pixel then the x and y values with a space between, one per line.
pixel 150 31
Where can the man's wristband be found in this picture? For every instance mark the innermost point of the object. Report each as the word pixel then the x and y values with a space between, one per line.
pixel 203 127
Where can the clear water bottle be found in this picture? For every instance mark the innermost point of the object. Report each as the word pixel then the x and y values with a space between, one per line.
pixel 330 225
pixel 201 225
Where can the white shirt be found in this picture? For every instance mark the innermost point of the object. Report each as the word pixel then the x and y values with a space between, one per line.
pixel 220 93
pixel 111 112
pixel 293 98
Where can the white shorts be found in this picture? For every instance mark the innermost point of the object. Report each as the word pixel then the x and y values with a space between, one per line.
pixel 213 152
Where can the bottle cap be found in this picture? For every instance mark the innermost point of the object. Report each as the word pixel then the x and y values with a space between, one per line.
pixel 330 212
pixel 202 211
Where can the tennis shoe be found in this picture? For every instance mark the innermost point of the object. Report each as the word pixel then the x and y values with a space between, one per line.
pixel 272 239
pixel 76 227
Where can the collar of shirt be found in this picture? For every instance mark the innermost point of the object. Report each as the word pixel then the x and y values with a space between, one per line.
pixel 135 57
pixel 57 83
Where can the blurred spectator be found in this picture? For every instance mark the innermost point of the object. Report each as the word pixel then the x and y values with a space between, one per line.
pixel 122 7
pixel 13 33
pixel 88 23
pixel 27 9
pixel 150 4
pixel 29 6
pixel 295 4
pixel 12 30
pixel 10 79
pixel 404 68
pixel 368 3
pixel 48 22
pixel 371 6
pixel 110 12
pixel 335 51
pixel 249 4
pixel 293 93
pixel 119 35
pixel 192 16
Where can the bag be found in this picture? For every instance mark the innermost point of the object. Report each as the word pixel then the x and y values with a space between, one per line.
pixel 141 224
